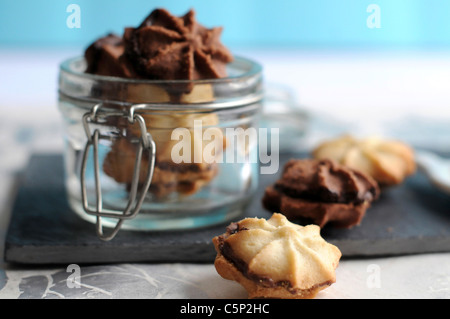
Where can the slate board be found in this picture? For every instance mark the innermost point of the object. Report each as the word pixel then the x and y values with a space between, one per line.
pixel 408 219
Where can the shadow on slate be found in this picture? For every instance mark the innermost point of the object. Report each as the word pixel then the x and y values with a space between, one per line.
pixel 408 219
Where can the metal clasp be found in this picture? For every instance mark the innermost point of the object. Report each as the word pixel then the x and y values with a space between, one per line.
pixel 146 144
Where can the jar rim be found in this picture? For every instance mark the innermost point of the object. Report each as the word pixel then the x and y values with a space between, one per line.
pixel 242 87
pixel 252 68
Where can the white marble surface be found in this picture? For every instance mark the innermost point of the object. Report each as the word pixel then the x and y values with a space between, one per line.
pixel 402 95
pixel 425 276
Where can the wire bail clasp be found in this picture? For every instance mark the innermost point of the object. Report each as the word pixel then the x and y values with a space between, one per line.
pixel 135 200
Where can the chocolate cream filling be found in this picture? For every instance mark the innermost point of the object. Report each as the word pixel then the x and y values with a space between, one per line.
pixel 326 182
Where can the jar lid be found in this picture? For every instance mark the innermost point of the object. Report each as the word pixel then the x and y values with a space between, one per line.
pixel 242 87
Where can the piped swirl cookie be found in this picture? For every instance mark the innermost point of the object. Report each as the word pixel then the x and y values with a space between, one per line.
pixel 388 162
pixel 321 192
pixel 275 258
pixel 162 47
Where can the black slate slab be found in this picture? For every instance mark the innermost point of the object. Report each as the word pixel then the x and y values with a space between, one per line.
pixel 408 219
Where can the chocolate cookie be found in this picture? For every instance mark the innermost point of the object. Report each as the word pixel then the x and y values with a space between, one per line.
pixel 321 192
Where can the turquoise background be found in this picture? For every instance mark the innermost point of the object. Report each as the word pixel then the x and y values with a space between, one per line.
pixel 291 23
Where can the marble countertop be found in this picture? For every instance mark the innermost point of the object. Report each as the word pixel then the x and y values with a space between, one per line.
pixel 402 94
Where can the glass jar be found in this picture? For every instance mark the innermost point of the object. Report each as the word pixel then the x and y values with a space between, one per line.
pixel 281 111
pixel 160 155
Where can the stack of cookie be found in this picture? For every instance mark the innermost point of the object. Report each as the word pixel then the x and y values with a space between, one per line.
pixel 163 47
pixel 338 185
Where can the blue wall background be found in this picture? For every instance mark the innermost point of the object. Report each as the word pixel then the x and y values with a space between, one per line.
pixel 269 23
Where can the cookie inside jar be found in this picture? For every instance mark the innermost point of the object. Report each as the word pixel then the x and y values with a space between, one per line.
pixel 171 83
